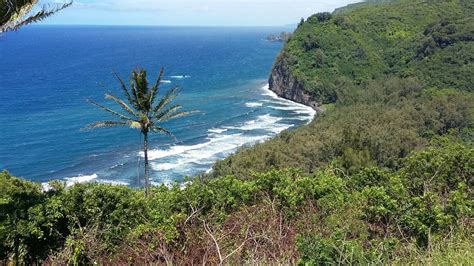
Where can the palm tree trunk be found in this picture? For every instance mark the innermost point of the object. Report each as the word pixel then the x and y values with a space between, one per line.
pixel 145 150
pixel 16 256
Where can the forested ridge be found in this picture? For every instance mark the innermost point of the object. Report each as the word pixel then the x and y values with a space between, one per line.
pixel 430 40
pixel 383 176
pixel 391 74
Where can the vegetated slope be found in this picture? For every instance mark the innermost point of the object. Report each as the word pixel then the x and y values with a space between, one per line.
pixel 384 176
pixel 392 75
pixel 376 124
pixel 431 40
pixel 419 214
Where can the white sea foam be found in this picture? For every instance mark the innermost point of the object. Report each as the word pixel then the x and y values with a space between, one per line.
pixel 165 81
pixel 180 77
pixel 303 111
pixel 279 102
pixel 201 154
pixel 217 130
pixel 296 109
pixel 70 181
pixel 301 118
pixel 287 104
pixel 116 165
pixel 286 108
pixel 280 127
pixel 174 150
pixel 217 145
pixel 266 122
pixel 222 141
pixel 263 122
pixel 45 187
pixel 253 104
pixel 165 166
pixel 80 179
pixel 164 181
pixel 114 182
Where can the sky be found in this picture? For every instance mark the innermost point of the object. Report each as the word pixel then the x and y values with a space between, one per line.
pixel 191 12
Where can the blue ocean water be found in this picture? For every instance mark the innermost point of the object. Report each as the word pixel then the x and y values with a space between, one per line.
pixel 47 72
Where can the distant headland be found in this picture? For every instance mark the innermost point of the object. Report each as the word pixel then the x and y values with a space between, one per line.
pixel 282 37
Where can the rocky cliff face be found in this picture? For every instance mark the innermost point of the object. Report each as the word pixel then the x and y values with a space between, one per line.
pixel 285 85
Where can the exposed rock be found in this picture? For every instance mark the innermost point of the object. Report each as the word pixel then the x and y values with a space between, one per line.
pixel 285 85
pixel 282 37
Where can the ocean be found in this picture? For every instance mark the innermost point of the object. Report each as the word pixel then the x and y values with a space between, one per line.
pixel 47 73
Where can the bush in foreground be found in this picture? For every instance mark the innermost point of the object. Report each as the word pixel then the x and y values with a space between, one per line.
pixel 281 216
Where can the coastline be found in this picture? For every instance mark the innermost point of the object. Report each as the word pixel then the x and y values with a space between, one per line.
pixel 224 140
pixel 285 85
pixel 311 109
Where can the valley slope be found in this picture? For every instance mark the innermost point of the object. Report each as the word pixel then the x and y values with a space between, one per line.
pixel 392 74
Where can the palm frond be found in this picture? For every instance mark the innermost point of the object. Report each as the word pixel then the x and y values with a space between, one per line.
pixel 154 89
pixel 170 95
pixel 134 85
pixel 176 115
pixel 121 103
pixel 13 10
pixel 124 88
pixel 142 82
pixel 168 111
pixel 18 18
pixel 159 129
pixel 123 117
pixel 171 113
pixel 42 14
pixel 106 124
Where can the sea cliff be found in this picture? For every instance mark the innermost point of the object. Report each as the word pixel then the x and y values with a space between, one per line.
pixel 285 85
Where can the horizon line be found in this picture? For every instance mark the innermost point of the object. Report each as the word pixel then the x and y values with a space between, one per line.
pixel 177 26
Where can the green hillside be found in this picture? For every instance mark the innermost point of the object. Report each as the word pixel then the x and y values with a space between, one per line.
pixel 392 75
pixel 431 40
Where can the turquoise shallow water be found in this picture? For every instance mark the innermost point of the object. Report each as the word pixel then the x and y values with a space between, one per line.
pixel 47 72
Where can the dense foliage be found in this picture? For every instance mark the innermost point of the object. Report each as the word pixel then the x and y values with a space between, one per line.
pixel 374 216
pixel 392 74
pixel 432 40
pixel 376 123
pixel 384 176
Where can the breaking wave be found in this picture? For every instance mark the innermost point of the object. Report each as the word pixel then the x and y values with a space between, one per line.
pixel 253 104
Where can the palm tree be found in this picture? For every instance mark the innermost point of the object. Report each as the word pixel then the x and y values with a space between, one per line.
pixel 142 111
pixel 17 13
